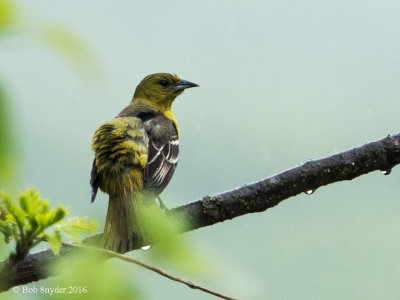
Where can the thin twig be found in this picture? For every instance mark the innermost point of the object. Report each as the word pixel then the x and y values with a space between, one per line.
pixel 190 284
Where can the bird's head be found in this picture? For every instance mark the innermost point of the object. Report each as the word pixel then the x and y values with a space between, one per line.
pixel 161 89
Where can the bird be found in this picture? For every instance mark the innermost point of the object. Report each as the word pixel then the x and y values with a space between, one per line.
pixel 136 154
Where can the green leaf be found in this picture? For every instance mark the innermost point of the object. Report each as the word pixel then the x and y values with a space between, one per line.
pixel 82 225
pixel 71 234
pixel 58 214
pixel 42 206
pixel 75 225
pixel 26 204
pixel 43 219
pixel 33 224
pixel 54 240
pixel 15 214
pixel 51 217
pixel 5 229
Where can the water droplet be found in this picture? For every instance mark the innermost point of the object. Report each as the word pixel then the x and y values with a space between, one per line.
pixel 309 192
pixel 386 172
pixel 145 248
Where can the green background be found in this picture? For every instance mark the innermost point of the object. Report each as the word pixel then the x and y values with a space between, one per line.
pixel 281 82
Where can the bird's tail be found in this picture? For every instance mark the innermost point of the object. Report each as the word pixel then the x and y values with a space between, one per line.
pixel 121 223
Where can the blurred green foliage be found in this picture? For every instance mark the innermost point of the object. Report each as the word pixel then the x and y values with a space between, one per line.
pixel 69 45
pixel 53 36
pixel 8 162
pixel 88 276
pixel 169 246
pixel 8 148
pixel 29 220
pixel 7 15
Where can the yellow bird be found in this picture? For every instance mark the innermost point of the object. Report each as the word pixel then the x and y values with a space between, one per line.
pixel 136 154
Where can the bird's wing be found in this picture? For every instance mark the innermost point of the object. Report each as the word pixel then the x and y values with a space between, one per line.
pixel 120 147
pixel 161 163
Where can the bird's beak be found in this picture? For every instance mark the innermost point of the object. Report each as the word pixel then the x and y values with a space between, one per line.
pixel 184 84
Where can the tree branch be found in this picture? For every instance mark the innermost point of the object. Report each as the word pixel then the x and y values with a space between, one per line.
pixel 381 155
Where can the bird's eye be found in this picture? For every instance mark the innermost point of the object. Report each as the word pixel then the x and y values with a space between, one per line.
pixel 164 83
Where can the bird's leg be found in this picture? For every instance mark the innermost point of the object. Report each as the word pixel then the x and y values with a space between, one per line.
pixel 163 207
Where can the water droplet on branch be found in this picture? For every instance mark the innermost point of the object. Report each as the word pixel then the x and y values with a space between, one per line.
pixel 386 172
pixel 145 248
